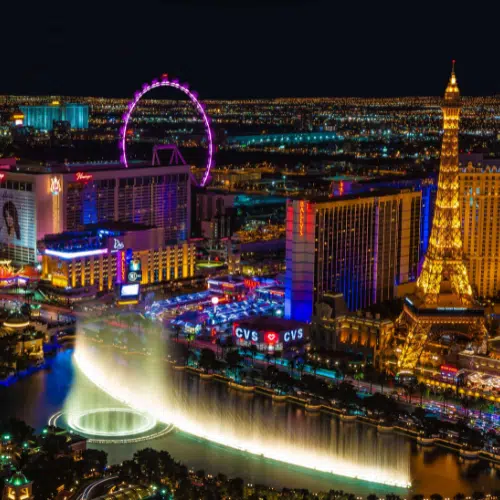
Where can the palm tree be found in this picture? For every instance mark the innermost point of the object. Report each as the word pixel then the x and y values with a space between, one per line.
pixel 253 352
pixel 300 367
pixel 177 330
pixel 269 357
pixel 466 403
pixel 276 356
pixel 314 366
pixel 291 366
pixel 359 376
pixel 482 403
pixel 382 378
pixel 421 388
pixel 445 396
pixel 410 389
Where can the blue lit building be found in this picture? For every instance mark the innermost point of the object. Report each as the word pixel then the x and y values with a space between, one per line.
pixel 43 117
pixel 428 187
pixel 361 245
pixel 77 115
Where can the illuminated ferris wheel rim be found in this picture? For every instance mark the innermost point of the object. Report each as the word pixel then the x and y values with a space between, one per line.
pixel 193 97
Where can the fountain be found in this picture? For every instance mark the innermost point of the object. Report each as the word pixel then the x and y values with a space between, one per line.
pixel 148 394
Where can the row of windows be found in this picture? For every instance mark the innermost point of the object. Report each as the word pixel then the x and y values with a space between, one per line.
pixel 18 185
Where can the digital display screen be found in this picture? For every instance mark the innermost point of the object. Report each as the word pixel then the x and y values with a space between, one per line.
pixel 17 223
pixel 130 290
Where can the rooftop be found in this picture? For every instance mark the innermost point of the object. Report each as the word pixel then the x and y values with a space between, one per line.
pixel 68 168
pixel 374 193
pixel 270 323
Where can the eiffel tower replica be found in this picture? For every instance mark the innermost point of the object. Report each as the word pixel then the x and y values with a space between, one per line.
pixel 443 303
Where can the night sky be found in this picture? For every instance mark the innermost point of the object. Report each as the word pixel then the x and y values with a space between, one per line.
pixel 248 49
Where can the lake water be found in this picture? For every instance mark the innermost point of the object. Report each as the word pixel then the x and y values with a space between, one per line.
pixel 214 405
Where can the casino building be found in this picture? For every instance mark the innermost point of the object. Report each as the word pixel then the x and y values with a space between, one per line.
pixel 362 246
pixel 105 256
pixel 40 200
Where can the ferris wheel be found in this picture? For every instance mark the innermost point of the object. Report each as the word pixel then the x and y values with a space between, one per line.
pixel 193 97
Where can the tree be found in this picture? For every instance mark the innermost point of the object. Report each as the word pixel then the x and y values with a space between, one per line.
pixel 271 374
pixel 235 488
pixel 466 403
pixel 314 366
pixel 482 404
pixel 148 461
pixel 419 413
pixel 300 367
pixel 359 376
pixel 253 353
pixel 445 396
pixel 410 389
pixel 19 430
pixel 253 375
pixel 284 381
pixel 207 359
pixel 276 356
pixel 234 359
pixel 94 459
pixel 422 388
pixel 268 357
pixel 382 379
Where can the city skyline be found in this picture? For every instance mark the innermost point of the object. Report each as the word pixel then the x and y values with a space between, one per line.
pixel 240 294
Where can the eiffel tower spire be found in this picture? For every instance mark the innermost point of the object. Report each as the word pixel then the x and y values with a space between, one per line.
pixel 443 270
pixel 443 300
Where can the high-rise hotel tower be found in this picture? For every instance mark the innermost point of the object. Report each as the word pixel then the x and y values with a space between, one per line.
pixel 362 246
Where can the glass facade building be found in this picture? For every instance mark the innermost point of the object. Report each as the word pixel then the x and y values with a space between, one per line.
pixel 361 246
pixel 43 117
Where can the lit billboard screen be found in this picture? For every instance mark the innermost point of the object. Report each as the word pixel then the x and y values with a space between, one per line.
pixel 17 222
pixel 129 290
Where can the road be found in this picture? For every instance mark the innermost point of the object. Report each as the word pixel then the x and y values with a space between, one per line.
pixel 93 488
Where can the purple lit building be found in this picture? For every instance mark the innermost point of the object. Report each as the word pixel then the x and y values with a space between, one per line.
pixel 40 200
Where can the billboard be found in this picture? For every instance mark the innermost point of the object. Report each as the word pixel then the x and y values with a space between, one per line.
pixel 134 274
pixel 129 290
pixel 17 222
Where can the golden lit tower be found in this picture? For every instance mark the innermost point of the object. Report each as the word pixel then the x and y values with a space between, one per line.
pixel 443 262
pixel 443 304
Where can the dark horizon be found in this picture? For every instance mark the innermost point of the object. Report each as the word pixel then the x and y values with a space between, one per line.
pixel 299 48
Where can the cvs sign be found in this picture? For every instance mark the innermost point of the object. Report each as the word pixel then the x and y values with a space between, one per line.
pixel 246 334
pixel 293 335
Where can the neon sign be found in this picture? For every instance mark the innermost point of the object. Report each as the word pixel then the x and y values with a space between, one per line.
pixel 246 334
pixel 293 335
pixel 55 185
pixel 2 177
pixel 122 265
pixel 302 211
pixel 76 255
pixel 117 244
pixel 271 338
pixel 81 176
